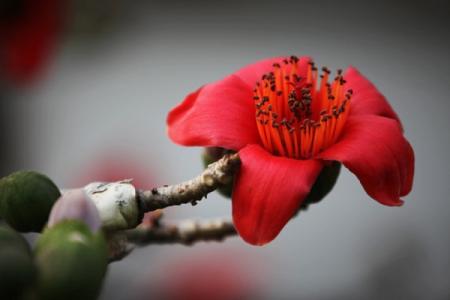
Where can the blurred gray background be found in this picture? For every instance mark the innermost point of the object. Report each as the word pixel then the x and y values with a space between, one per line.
pixel 123 66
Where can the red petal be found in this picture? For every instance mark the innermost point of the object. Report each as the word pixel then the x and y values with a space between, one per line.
pixel 374 149
pixel 253 72
pixel 366 99
pixel 268 190
pixel 220 114
pixel 27 40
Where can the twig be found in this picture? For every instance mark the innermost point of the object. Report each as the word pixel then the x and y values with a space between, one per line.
pixel 215 175
pixel 186 232
pixel 118 246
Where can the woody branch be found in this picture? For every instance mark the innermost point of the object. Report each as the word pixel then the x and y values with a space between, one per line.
pixel 186 232
pixel 214 176
pixel 153 231
pixel 122 206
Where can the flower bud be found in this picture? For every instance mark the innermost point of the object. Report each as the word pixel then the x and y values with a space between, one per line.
pixel 17 271
pixel 75 205
pixel 211 155
pixel 72 262
pixel 116 203
pixel 26 198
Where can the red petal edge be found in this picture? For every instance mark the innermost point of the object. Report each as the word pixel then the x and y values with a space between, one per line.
pixel 366 99
pixel 268 190
pixel 375 150
pixel 220 114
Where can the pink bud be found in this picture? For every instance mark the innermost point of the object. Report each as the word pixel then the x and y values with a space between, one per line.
pixel 75 205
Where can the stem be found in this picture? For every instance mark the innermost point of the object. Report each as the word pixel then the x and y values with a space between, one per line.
pixel 215 175
pixel 187 232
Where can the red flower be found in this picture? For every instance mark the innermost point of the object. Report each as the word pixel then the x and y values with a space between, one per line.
pixel 302 123
pixel 116 165
pixel 213 275
pixel 28 34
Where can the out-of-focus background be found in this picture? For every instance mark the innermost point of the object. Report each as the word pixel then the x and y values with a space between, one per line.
pixel 89 102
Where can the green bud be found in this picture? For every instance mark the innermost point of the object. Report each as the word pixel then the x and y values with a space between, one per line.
pixel 211 155
pixel 26 198
pixel 17 271
pixel 72 262
pixel 323 185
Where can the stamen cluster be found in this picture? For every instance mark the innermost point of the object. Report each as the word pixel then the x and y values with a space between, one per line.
pixel 296 116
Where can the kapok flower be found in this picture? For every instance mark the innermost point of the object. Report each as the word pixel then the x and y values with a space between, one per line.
pixel 28 34
pixel 287 123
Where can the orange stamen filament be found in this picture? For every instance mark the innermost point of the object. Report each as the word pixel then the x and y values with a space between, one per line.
pixel 300 117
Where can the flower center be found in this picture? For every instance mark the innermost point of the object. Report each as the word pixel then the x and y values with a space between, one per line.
pixel 298 116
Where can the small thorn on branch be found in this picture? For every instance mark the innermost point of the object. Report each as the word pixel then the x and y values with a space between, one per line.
pixel 215 175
